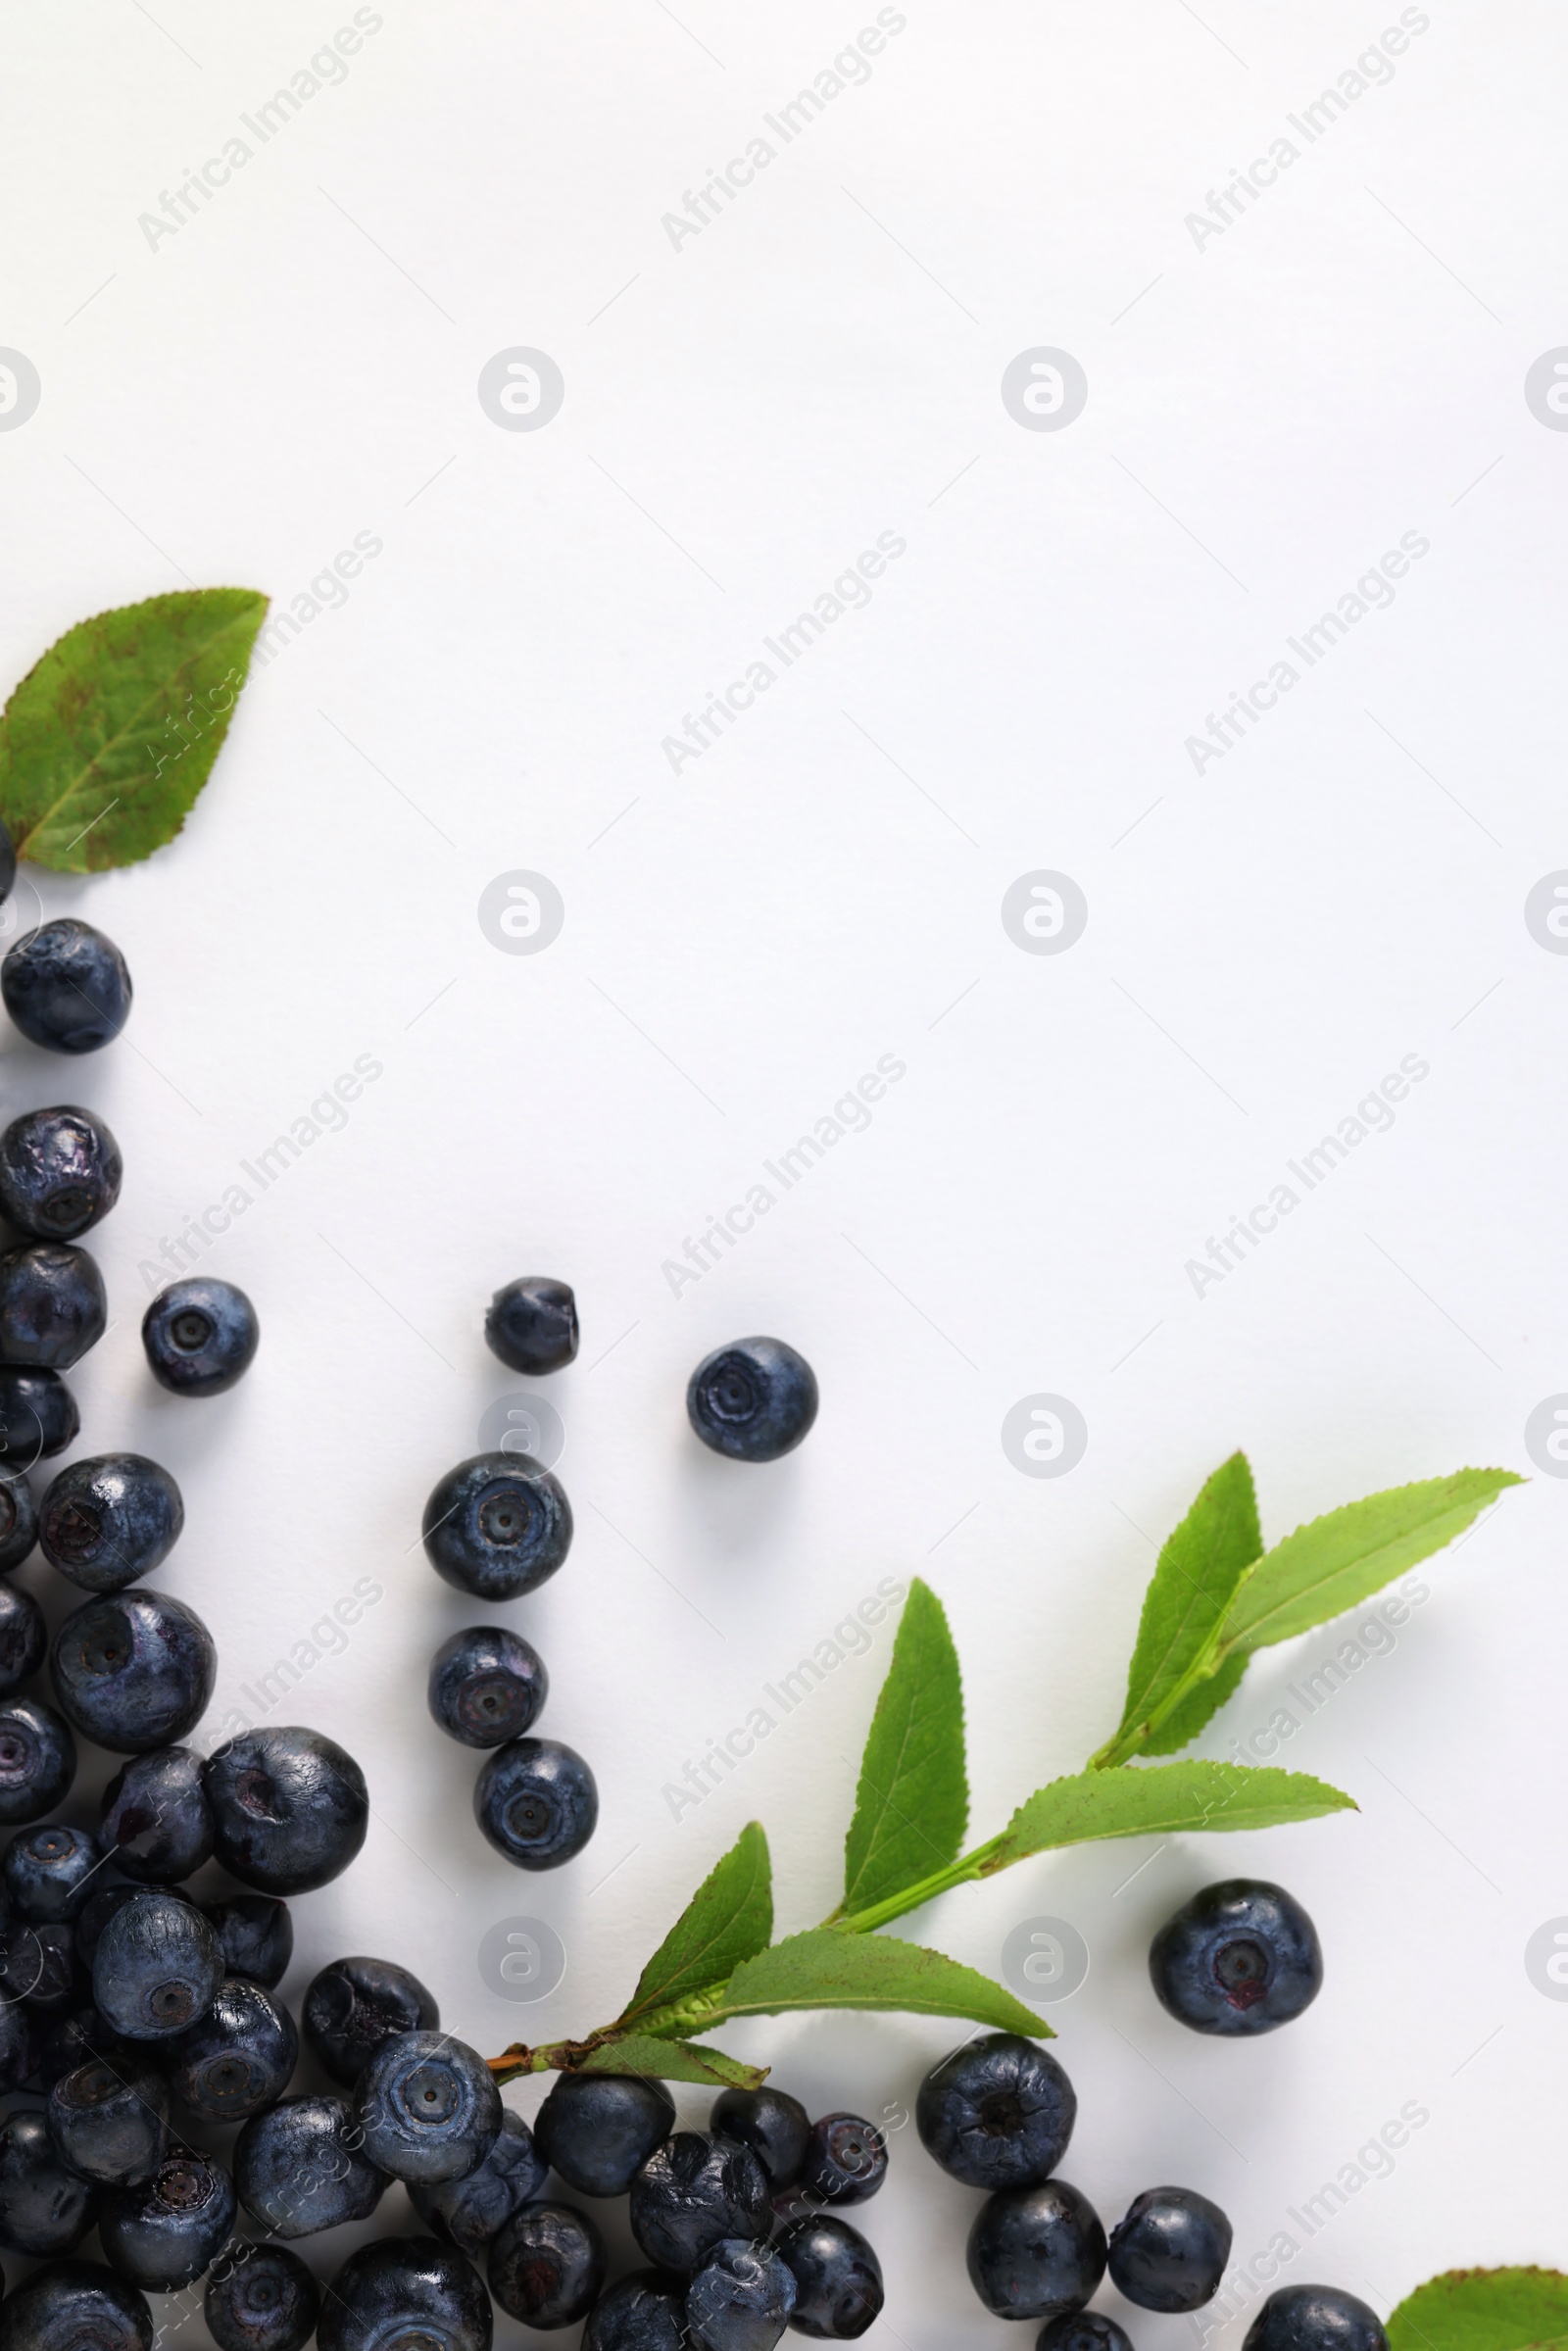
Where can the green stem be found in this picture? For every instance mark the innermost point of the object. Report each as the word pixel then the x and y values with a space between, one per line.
pixel 968 1866
pixel 1129 1742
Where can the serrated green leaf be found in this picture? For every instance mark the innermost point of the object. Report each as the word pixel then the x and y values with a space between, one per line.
pixel 913 1799
pixel 824 1968
pixel 1185 1719
pixel 671 2061
pixel 1160 1800
pixel 109 738
pixel 1195 1580
pixel 1340 1559
pixel 1484 2309
pixel 728 1919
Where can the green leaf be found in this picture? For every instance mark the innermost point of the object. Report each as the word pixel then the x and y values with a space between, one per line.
pixel 912 1800
pixel 1193 1582
pixel 1339 1560
pixel 1484 2309
pixel 1186 1718
pixel 109 738
pixel 1160 1800
pixel 728 1919
pixel 825 1968
pixel 671 2061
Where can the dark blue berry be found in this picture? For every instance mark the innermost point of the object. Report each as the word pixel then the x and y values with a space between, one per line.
pixel 845 2159
pixel 405 2293
pixel 108 1520
pixel 65 986
pixel 39 1966
pixel 1082 2330
pixel 21 2048
pixel 200 1336
pixel 157 1967
pixel 537 1802
pixel 1239 1958
pixel 156 1818
pixel 1035 2252
pixel 692 2193
pixel 48 1871
pixel 428 2107
pixel 486 1686
pixel 1315 2318
pixel 133 1670
pixel 740 2297
pixel 37 1416
pixel 37 1760
pixel 261 2298
pixel 754 1399
pixel 108 2123
pixel 76 2306
pixel 24 1635
pixel 1170 2249
pixel 532 1325
pixel 60 1172
pixel 643 2312
pixel 497 1526
pixel 774 2126
pixel 44 2208
pixel 468 2212
pixel 238 2060
pixel 290 1809
pixel 75 2037
pixel 52 1305
pixel 255 1935
pixel 997 2113
pixel 547 2266
pixel 168 2229
pixel 19 1521
pixel 837 2278
pixel 300 2168
pixel 355 2005
pixel 597 2129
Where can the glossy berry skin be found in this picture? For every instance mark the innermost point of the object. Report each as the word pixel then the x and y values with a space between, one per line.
pixel 133 1670
pixel 740 2297
pixel 24 1637
pixel 53 1306
pixel 596 2129
pixel 537 1802
pixel 1241 1958
pixel 753 1400
pixel 157 1967
pixel 837 2278
pixel 532 1325
pixel 44 2208
pixel 255 1935
pixel 1035 2252
pixel 643 2312
pixel 428 2107
pixel 20 2047
pixel 37 1760
pixel 1315 2318
pixel 845 2159
pixel 405 2293
pixel 997 2113
pixel 547 2266
pixel 239 2059
pixel 76 2306
pixel 299 2167
pixel 1083 2331
pixel 497 1526
pixel 38 1417
pixel 290 1809
pixel 60 1172
pixel 486 1686
pixel 47 1871
pixel 774 2126
pixel 156 1817
pixel 67 988
pixel 468 2212
pixel 261 2298
pixel 692 2193
pixel 1170 2249
pixel 354 2006
pixel 200 1336
pixel 39 1967
pixel 108 2123
pixel 168 2229
pixel 19 1521
pixel 107 1521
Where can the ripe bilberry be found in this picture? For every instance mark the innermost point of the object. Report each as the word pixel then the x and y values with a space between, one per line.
pixel 291 1808
pixel 546 2265
pixel 753 1399
pixel 1315 2318
pixel 837 2278
pixel 355 2005
pixel 428 2107
pixel 1169 2250
pixel 1239 1958
pixel 199 1335
pixel 53 1306
pixel 133 1670
pixel 537 1802
pixel 486 1686
pixel 60 1172
pixel 156 1818
pixel 157 1965
pixel 997 2113
pixel 532 1325
pixel 110 1519
pixel 1035 2252
pixel 261 2298
pixel 597 2129
pixel 65 986
pixel 37 1760
pixel 497 1526
pixel 299 2167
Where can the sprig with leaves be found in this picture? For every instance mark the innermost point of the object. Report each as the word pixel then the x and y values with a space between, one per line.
pixel 1215 1599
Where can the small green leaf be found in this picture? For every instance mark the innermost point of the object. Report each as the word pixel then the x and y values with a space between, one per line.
pixel 728 1919
pixel 1339 1560
pixel 825 1968
pixel 1160 1800
pixel 1193 1582
pixel 1188 1717
pixel 1484 2309
pixel 671 2061
pixel 109 738
pixel 912 1800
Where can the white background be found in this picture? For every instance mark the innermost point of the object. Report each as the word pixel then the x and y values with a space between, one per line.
pixel 1267 413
